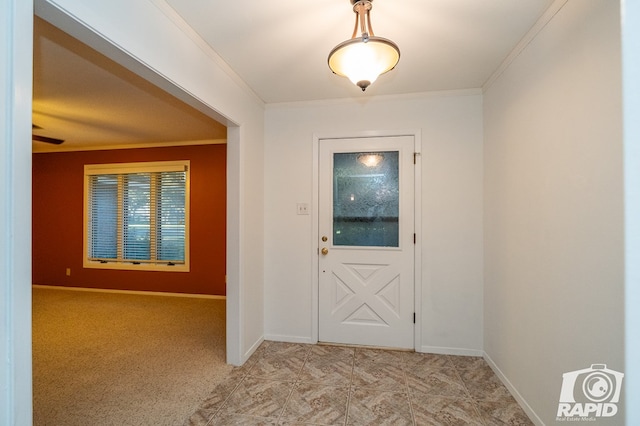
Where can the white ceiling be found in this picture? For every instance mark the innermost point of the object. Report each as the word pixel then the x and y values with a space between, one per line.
pixel 279 48
pixel 89 101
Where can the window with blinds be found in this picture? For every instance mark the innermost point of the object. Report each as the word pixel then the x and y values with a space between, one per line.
pixel 137 216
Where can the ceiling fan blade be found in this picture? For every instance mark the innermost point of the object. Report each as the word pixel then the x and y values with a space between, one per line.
pixel 46 139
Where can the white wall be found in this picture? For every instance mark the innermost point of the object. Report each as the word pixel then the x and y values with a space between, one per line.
pixel 450 126
pixel 16 17
pixel 554 283
pixel 149 38
pixel 631 94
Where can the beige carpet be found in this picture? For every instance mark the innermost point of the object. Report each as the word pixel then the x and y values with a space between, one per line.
pixel 120 359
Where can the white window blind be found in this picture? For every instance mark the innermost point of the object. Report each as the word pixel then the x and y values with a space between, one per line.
pixel 137 217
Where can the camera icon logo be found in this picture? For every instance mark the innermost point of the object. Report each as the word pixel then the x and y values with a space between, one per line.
pixel 598 387
pixel 590 392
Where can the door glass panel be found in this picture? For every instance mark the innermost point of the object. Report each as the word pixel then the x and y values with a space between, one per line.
pixel 365 199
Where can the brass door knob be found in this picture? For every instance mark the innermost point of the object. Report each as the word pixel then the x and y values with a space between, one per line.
pixel 324 251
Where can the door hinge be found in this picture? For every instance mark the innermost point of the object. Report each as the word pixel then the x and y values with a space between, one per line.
pixel 414 317
pixel 415 157
pixel 414 238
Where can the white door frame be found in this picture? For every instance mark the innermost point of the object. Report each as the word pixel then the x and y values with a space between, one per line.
pixel 315 214
pixel 16 65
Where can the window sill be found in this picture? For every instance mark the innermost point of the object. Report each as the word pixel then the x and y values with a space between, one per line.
pixel 134 267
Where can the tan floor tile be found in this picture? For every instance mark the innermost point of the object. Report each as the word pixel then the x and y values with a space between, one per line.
pixel 298 350
pixel 316 404
pixel 436 381
pixel 329 371
pixel 371 407
pixel 331 352
pixel 241 420
pixel 200 418
pixel 381 376
pixel 258 397
pixel 207 410
pixel 467 362
pixel 416 359
pixel 378 355
pixel 277 367
pixel 503 413
pixel 309 385
pixel 218 396
pixel 439 410
pixel 483 384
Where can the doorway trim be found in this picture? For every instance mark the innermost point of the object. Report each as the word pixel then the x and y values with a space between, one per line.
pixel 16 66
pixel 315 215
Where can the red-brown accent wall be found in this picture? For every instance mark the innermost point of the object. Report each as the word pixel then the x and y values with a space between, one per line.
pixel 58 221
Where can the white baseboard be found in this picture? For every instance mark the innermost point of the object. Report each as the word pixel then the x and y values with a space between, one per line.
pixel 252 349
pixel 523 403
pixel 142 293
pixel 289 339
pixel 442 350
pixel 424 349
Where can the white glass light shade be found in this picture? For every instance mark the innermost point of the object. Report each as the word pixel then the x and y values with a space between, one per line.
pixel 363 61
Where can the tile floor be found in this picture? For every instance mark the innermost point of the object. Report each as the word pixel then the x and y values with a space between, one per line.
pixel 295 384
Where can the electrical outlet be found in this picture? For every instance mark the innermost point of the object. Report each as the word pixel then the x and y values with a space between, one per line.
pixel 68 272
pixel 303 208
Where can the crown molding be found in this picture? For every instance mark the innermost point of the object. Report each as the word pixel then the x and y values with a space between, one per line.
pixel 206 48
pixel 540 24
pixel 44 149
pixel 377 98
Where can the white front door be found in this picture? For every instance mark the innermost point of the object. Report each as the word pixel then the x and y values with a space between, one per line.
pixel 366 230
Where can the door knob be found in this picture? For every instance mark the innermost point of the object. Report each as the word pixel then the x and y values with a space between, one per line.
pixel 324 251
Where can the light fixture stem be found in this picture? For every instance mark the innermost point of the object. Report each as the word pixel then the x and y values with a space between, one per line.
pixel 369 23
pixel 355 29
pixel 363 19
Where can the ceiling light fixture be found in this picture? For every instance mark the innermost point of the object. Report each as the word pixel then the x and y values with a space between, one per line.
pixel 363 58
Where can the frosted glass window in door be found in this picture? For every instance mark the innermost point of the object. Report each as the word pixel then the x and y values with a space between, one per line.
pixel 365 199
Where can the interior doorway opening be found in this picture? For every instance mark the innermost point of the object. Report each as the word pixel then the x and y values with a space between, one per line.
pixel 52 120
